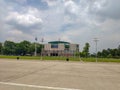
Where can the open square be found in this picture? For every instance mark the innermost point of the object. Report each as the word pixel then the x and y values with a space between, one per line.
pixel 58 75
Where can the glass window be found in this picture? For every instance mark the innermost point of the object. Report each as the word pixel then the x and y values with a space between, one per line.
pixel 54 46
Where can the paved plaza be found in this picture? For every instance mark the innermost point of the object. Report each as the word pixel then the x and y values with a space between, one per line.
pixel 58 75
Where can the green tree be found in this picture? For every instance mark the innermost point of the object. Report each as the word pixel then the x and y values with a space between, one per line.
pixel 0 48
pixel 99 54
pixel 104 53
pixel 110 53
pixel 23 47
pixel 85 51
pixel 119 51
pixel 9 48
pixel 39 48
pixel 32 48
pixel 109 56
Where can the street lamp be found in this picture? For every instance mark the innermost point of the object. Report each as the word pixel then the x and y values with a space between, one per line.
pixel 42 40
pixel 35 46
pixel 79 53
pixel 96 40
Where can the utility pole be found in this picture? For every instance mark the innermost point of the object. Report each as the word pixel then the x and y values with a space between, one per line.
pixel 96 40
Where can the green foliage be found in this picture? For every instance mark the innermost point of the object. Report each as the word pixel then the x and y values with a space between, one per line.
pixel 0 48
pixel 110 53
pixel 85 52
pixel 8 48
pixel 22 48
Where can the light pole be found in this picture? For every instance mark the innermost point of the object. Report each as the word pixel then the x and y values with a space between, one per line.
pixel 96 40
pixel 42 40
pixel 79 53
pixel 35 46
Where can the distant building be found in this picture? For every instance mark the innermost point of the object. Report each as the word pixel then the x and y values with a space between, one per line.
pixel 60 48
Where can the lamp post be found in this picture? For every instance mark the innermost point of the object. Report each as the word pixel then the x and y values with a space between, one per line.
pixel 96 40
pixel 42 40
pixel 79 53
pixel 35 46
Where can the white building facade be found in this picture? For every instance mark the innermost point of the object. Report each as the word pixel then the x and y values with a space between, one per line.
pixel 60 48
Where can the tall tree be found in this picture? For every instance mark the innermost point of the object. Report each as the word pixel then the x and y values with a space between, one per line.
pixel 23 47
pixel 85 51
pixel 9 48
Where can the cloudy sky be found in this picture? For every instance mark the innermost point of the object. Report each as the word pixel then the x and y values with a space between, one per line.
pixel 75 21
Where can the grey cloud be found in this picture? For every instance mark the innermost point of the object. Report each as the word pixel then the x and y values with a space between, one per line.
pixel 105 8
pixel 25 22
pixel 24 28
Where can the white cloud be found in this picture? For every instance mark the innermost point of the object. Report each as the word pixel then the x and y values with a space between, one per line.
pixel 71 7
pixel 23 19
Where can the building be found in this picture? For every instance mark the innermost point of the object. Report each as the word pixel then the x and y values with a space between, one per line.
pixel 60 48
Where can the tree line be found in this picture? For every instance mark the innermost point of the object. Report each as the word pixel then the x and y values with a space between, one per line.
pixel 109 53
pixel 21 48
pixel 28 48
pixel 105 53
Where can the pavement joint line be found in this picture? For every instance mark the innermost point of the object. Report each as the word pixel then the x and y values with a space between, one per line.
pixel 37 86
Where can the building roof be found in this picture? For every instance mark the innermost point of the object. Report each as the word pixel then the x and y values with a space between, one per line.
pixel 58 42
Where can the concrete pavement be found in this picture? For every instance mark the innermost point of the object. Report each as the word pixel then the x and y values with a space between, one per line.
pixel 58 75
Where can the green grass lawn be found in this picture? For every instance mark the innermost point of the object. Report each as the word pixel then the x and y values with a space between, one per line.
pixel 61 58
pixel 39 57
pixel 101 60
